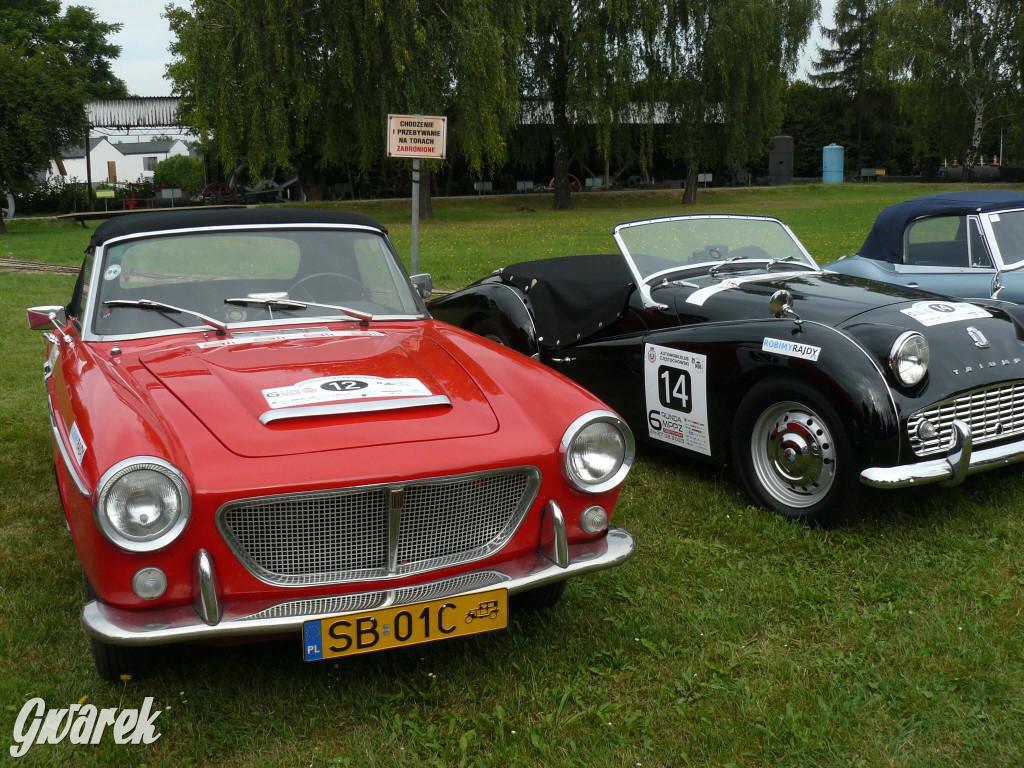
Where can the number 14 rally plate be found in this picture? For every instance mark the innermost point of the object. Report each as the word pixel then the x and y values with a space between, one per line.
pixel 424 622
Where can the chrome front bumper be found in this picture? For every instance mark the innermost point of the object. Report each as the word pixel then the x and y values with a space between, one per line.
pixel 208 618
pixel 960 460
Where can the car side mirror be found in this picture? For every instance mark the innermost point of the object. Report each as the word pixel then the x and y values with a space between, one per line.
pixel 781 305
pixel 997 285
pixel 424 284
pixel 46 318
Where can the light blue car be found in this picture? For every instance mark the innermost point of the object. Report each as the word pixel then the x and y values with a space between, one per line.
pixel 966 244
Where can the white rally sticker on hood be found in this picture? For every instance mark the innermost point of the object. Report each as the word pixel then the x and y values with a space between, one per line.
pixel 701 295
pixel 329 389
pixel 929 313
pixel 790 348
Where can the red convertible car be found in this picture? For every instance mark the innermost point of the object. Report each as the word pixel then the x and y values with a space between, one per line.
pixel 259 430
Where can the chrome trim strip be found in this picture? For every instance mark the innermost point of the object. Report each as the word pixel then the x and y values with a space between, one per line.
pixel 205 599
pixel 71 465
pixel 522 301
pixel 396 501
pixel 360 406
pixel 553 541
pixel 175 625
pixel 949 467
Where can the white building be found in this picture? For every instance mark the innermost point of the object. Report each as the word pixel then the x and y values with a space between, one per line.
pixel 119 162
pixel 141 157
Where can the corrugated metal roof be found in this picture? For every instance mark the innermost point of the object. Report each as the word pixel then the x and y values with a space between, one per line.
pixel 145 147
pixel 139 112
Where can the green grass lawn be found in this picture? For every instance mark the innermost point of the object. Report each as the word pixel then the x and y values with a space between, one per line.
pixel 732 638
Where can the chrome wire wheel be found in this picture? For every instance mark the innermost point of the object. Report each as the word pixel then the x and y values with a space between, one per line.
pixel 793 454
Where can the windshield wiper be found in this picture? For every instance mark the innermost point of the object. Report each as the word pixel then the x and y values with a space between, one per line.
pixel 780 260
pixel 353 314
pixel 715 267
pixel 159 306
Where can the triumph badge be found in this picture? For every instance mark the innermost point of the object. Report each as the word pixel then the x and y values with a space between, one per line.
pixel 978 337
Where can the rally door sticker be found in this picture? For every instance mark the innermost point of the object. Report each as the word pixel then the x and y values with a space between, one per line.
pixel 790 348
pixel 930 313
pixel 675 388
pixel 329 389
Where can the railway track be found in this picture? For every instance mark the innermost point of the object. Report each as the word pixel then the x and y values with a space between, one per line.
pixel 14 265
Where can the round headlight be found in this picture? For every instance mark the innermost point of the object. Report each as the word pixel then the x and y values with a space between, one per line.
pixel 908 358
pixel 597 451
pixel 143 504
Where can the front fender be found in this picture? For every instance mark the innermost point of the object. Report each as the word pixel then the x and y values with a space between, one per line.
pixel 497 301
pixel 741 354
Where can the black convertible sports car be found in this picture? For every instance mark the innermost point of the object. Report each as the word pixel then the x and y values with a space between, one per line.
pixel 720 337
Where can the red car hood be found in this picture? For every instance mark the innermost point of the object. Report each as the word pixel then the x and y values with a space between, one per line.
pixel 228 384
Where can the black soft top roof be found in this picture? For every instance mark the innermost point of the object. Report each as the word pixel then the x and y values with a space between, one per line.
pixel 885 241
pixel 141 223
pixel 573 297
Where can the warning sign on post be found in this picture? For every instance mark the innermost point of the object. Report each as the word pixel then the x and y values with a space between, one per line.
pixel 417 136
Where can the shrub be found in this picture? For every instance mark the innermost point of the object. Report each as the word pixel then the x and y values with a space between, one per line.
pixel 180 171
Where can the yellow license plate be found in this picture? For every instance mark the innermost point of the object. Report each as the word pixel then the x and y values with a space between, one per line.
pixel 384 628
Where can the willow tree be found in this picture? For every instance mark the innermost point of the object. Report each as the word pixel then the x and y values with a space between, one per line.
pixel 581 65
pixel 308 83
pixel 721 67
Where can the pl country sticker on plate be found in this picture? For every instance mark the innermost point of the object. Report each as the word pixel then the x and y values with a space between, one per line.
pixel 675 388
pixel 330 389
pixel 938 312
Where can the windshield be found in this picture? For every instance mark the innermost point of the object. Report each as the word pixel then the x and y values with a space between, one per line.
pixel 1008 229
pixel 698 243
pixel 260 271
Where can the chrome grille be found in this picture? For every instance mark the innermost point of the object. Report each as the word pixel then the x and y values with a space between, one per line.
pixel 319 606
pixel 993 413
pixel 327 537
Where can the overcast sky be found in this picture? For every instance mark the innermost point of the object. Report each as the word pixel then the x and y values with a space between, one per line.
pixel 145 37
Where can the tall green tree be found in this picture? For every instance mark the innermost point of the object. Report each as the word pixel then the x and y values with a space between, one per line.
pixel 581 67
pixel 962 61
pixel 52 64
pixel 722 67
pixel 872 125
pixel 309 83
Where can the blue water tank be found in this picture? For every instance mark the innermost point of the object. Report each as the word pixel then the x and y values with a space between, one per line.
pixel 832 164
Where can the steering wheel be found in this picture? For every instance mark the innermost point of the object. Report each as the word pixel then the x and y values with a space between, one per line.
pixel 344 284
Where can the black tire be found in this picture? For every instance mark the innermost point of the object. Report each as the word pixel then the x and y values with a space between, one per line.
pixel 793 454
pixel 539 598
pixel 112 661
pixel 491 329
